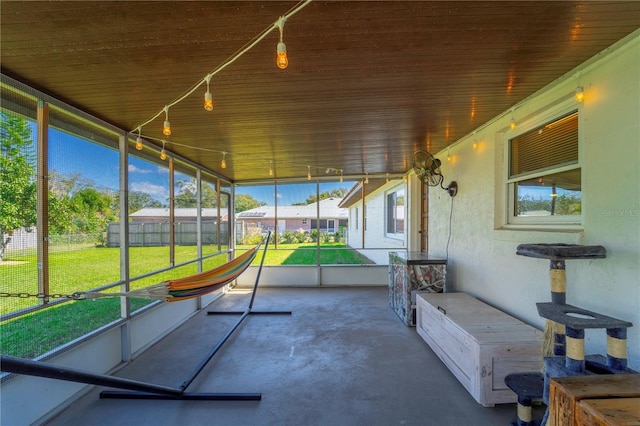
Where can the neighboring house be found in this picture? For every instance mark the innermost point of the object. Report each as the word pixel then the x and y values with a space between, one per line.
pixel 325 216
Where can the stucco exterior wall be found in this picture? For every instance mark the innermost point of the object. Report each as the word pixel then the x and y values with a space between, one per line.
pixel 377 243
pixel 482 259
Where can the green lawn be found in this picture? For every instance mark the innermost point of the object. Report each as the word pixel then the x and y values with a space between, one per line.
pixel 306 254
pixel 76 270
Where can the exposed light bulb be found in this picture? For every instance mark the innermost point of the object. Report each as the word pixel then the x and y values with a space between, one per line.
pixel 281 60
pixel 208 101
pixel 270 168
pixel 308 172
pixel 208 98
pixel 139 141
pixel 579 94
pixel 387 177
pixel 166 128
pixel 223 163
pixel 163 153
pixel 475 145
pixel 366 179
pixel 341 177
pixel 512 125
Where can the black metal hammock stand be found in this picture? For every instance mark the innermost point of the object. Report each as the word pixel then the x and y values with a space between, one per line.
pixel 143 390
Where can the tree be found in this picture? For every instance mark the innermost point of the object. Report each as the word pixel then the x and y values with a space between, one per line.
pixel 17 177
pixel 140 200
pixel 247 202
pixel 186 194
pixel 336 193
pixel 92 211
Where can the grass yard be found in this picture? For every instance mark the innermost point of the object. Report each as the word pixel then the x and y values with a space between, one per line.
pixel 39 332
pixel 306 254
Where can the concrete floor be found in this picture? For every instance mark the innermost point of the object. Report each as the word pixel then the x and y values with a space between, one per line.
pixel 342 358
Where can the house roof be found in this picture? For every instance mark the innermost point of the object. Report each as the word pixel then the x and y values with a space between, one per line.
pixel 328 210
pixel 355 193
pixel 179 212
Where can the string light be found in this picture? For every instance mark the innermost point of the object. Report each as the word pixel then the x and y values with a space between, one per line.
pixel 208 98
pixel 223 163
pixel 308 172
pixel 512 124
pixel 341 177
pixel 270 167
pixel 579 94
pixel 366 179
pixel 281 58
pixel 166 128
pixel 163 153
pixel 139 140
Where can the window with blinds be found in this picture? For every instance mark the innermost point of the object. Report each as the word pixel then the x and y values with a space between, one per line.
pixel 545 180
pixel 549 146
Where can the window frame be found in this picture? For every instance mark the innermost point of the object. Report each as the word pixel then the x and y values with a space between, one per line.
pixel 387 208
pixel 549 115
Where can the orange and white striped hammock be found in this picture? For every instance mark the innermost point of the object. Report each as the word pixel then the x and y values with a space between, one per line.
pixel 188 287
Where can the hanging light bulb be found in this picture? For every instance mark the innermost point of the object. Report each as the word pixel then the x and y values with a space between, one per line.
pixel 223 163
pixel 208 99
pixel 387 177
pixel 270 167
pixel 512 125
pixel 366 179
pixel 308 172
pixel 341 177
pixel 139 140
pixel 163 153
pixel 579 94
pixel 281 58
pixel 166 128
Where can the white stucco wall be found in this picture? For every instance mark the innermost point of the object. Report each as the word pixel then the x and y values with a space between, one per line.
pixel 377 243
pixel 482 259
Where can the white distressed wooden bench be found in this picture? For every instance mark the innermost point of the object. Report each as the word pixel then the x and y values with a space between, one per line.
pixel 480 344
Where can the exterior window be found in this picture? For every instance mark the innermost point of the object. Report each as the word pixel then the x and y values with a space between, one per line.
pixel 356 218
pixel 395 213
pixel 544 178
pixel 304 221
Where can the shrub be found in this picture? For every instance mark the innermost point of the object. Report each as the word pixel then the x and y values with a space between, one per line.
pixel 287 238
pixel 301 237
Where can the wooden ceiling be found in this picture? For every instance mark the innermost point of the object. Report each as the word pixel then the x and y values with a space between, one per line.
pixel 368 83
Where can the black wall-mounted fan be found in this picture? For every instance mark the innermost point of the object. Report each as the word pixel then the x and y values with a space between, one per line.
pixel 427 168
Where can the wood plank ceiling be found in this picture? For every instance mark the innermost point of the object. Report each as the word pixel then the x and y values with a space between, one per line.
pixel 368 83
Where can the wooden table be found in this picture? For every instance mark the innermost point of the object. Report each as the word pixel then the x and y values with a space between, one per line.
pixel 602 399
